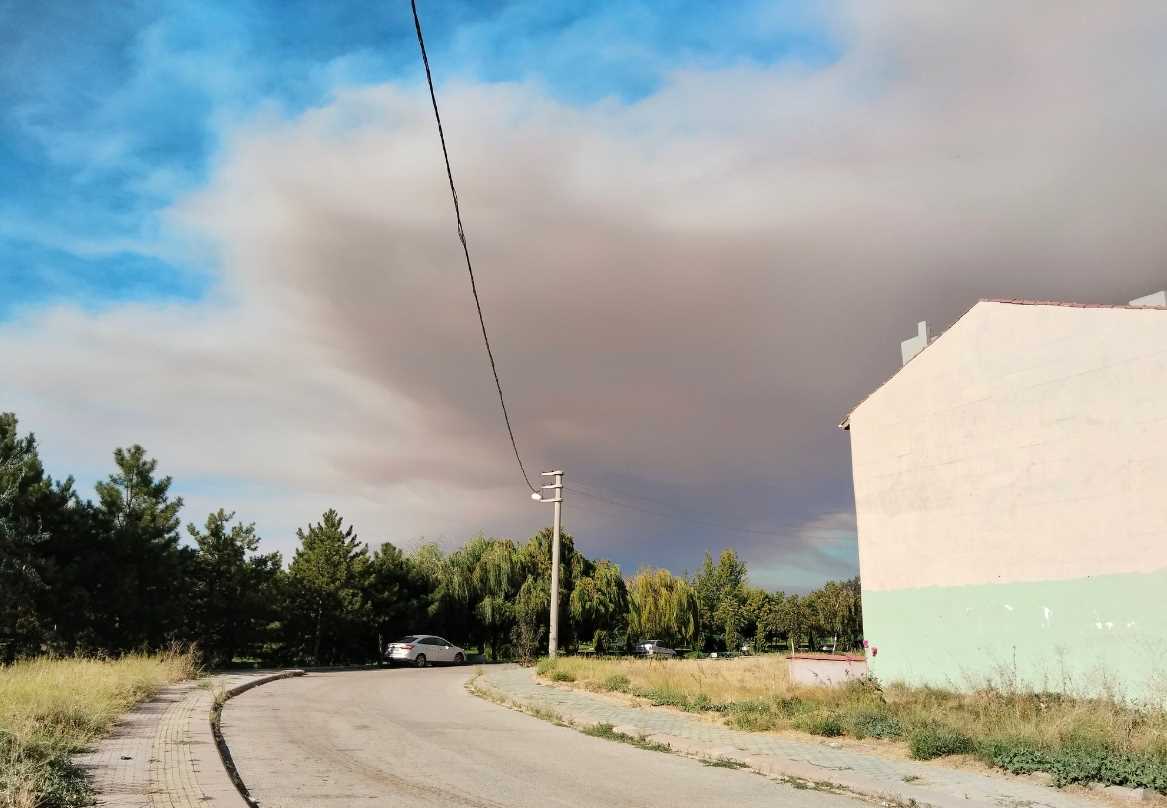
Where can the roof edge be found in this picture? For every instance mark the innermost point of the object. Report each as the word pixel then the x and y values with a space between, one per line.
pixel 845 424
pixel 1067 304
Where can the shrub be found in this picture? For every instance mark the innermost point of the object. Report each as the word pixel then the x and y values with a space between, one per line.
pixel 1083 761
pixel 701 703
pixel 934 739
pixel 874 724
pixel 667 697
pixel 562 676
pixel 1079 760
pixel 827 724
pixel 1017 756
pixel 617 682
pixel 754 715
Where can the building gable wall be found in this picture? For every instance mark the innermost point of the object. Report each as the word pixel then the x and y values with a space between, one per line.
pixel 1008 481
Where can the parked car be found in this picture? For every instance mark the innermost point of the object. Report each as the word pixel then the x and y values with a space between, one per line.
pixel 424 649
pixel 652 648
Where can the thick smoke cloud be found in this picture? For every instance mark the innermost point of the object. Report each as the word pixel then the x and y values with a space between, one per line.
pixel 685 293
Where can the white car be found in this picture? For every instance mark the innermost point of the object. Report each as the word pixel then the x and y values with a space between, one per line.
pixel 424 649
pixel 653 648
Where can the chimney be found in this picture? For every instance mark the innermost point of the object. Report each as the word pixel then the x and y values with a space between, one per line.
pixel 1153 299
pixel 911 347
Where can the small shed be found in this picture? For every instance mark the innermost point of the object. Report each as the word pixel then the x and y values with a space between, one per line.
pixel 826 669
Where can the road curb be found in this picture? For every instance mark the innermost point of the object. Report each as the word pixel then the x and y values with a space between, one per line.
pixel 263 680
pixel 217 730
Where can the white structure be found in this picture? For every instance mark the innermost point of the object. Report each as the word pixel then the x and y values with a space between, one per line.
pixel 1011 500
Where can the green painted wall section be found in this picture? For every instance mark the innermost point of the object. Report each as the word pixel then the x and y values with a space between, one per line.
pixel 1083 636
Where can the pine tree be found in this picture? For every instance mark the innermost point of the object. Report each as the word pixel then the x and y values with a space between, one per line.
pixel 142 521
pixel 22 481
pixel 398 594
pixel 329 578
pixel 234 587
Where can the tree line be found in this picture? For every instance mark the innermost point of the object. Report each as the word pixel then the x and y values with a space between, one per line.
pixel 112 574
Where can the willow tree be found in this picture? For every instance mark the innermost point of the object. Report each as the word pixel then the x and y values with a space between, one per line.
pixel 599 604
pixel 663 606
pixel 491 584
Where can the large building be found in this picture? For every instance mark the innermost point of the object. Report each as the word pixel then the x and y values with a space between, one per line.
pixel 1011 500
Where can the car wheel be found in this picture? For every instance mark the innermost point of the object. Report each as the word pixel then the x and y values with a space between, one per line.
pixel 459 659
pixel 420 661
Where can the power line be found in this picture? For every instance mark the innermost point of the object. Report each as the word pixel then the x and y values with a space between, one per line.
pixel 666 505
pixel 673 515
pixel 465 249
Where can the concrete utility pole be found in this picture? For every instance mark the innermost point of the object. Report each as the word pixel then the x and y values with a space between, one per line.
pixel 557 487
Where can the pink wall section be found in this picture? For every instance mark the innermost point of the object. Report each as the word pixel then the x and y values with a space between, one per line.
pixel 824 669
pixel 1027 443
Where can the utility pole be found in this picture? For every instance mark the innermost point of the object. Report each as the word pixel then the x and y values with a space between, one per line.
pixel 557 487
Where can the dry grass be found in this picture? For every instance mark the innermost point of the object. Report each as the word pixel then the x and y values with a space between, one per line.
pixel 1076 739
pixel 719 680
pixel 53 708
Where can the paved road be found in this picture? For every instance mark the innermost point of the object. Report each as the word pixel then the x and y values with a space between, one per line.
pixel 417 738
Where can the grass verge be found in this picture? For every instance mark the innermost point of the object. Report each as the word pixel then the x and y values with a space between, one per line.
pixel 1076 740
pixel 608 732
pixel 50 709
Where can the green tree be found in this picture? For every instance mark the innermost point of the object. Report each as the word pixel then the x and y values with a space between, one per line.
pixel 756 617
pixel 22 537
pixel 142 522
pixel 480 581
pixel 234 587
pixel 398 593
pixel 599 605
pixel 793 620
pixel 329 578
pixel 720 590
pixel 664 607
pixel 837 611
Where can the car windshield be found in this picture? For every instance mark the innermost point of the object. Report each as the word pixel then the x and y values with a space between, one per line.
pixel 408 639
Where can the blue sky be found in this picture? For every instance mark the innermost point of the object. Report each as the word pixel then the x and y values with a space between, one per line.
pixel 112 114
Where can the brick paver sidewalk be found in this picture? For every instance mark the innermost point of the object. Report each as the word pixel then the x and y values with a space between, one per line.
pixel 815 761
pixel 162 753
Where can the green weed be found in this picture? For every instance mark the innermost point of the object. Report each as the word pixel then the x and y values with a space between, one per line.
pixel 608 732
pixel 617 682
pixel 873 724
pixel 829 725
pixel 723 763
pixel 934 739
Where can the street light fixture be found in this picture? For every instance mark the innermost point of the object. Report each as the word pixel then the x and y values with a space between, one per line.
pixel 557 501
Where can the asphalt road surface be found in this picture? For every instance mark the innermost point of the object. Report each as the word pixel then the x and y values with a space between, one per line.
pixel 414 737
